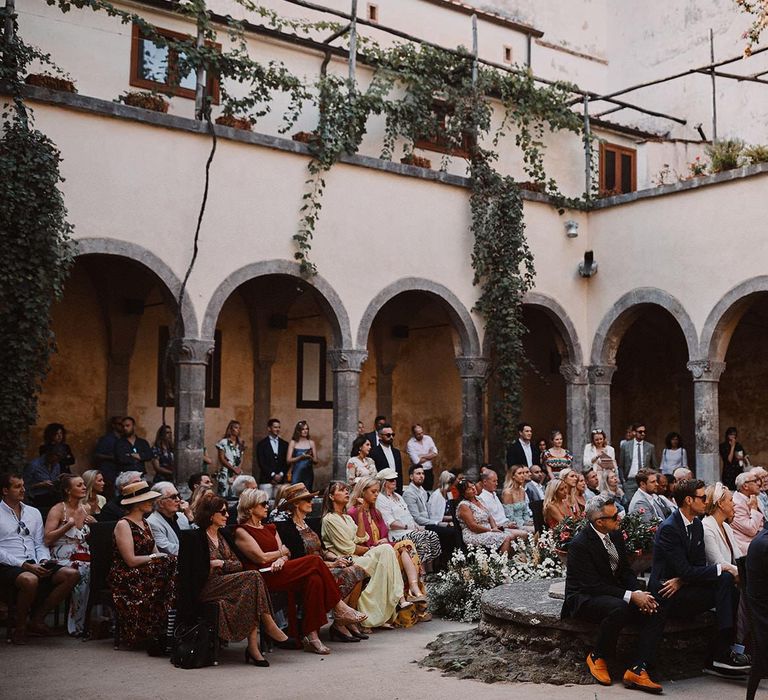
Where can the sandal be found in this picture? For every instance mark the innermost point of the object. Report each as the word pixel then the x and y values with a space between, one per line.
pixel 402 604
pixel 314 646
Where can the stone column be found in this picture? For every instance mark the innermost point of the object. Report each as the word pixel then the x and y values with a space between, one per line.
pixel 384 389
pixel 600 377
pixel 345 365
pixel 118 377
pixel 577 409
pixel 706 375
pixel 472 371
pixel 190 355
pixel 262 401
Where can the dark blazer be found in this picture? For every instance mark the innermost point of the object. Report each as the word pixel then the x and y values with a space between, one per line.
pixel 757 595
pixel 124 450
pixel 589 571
pixel 377 455
pixel 269 462
pixel 516 455
pixel 625 457
pixel 675 556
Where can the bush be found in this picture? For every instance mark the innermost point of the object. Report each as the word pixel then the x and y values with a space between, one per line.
pixel 757 154
pixel 725 155
pixel 145 100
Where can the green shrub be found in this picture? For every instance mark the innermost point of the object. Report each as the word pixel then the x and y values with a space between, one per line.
pixel 757 154
pixel 724 155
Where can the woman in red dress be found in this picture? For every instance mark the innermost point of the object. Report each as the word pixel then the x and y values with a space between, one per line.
pixel 307 576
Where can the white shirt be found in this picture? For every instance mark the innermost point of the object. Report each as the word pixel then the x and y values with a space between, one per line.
pixel 436 505
pixel 590 451
pixel 528 453
pixel 275 443
pixel 491 501
pixel 686 523
pixel 417 448
pixel 392 509
pixel 17 547
pixel 636 464
pixel 388 454
pixel 536 487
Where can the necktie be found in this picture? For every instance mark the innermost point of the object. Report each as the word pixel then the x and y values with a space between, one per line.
pixel 639 455
pixel 688 532
pixel 613 555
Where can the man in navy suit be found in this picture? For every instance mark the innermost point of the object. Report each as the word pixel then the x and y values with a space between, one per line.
pixel 523 451
pixel 600 587
pixel 688 585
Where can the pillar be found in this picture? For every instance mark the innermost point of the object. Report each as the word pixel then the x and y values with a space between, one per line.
pixel 472 371
pixel 600 377
pixel 706 375
pixel 190 356
pixel 577 409
pixel 384 389
pixel 262 403
pixel 118 377
pixel 346 364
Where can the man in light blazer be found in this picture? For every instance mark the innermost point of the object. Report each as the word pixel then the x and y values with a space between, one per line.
pixel 634 455
pixel 170 516
pixel 645 500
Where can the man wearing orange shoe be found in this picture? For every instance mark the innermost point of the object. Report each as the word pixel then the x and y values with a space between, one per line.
pixel 600 587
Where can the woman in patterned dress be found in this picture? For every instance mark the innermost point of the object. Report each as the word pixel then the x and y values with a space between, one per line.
pixel 360 464
pixel 302 541
pixel 143 580
pixel 241 595
pixel 477 524
pixel 556 458
pixel 230 450
pixel 66 535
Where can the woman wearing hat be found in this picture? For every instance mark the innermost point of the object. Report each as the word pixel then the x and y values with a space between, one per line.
pixel 302 541
pixel 308 577
pixel 143 580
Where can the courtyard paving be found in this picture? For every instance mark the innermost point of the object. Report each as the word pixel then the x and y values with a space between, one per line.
pixel 382 668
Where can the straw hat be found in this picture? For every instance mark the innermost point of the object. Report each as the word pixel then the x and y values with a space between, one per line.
pixel 137 492
pixel 387 474
pixel 294 493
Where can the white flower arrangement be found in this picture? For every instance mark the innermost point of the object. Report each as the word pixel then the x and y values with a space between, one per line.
pixel 456 594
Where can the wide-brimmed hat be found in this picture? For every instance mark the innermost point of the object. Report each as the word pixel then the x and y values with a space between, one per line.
pixel 137 492
pixel 386 474
pixel 294 493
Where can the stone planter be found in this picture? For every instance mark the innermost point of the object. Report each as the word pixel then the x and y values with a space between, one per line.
pixel 234 122
pixel 145 100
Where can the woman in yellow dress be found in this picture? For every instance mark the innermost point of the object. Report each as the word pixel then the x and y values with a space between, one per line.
pixel 383 596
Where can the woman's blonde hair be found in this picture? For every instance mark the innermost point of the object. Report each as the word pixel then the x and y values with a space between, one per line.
pixel 550 495
pixel 715 493
pixel 603 484
pixel 89 478
pixel 361 486
pixel 509 480
pixel 445 481
pixel 248 499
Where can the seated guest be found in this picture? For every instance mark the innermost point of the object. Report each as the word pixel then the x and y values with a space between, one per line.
pixel 486 494
pixel 664 493
pixel 201 491
pixel 762 497
pixel 217 576
pixel 416 498
pixel 515 499
pixel 302 541
pixel 580 494
pixel 682 474
pixel 66 536
pixel 440 498
pixel 41 480
pixel 399 521
pixel 720 544
pixel 601 588
pixel 360 464
pixel 199 479
pixel 25 562
pixel 757 599
pixel 142 579
pixel 644 501
pixel 533 485
pixel 477 524
pixel 365 496
pixel 557 504
pixel 383 595
pixel 610 486
pixel 241 482
pixel 592 483
pixel 688 584
pixel 170 516
pixel 747 518
pixel 94 499
pixel 113 510
pixel 308 577
pixel 571 479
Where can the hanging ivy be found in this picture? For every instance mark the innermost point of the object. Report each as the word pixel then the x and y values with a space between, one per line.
pixel 36 252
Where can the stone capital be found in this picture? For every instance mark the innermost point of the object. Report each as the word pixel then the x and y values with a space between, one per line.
pixel 472 367
pixel 601 374
pixel 706 370
pixel 347 359
pixel 192 351
pixel 573 374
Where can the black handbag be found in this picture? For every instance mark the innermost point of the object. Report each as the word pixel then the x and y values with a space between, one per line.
pixel 193 645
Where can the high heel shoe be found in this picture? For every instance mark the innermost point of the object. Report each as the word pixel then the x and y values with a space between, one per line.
pixel 356 633
pixel 337 636
pixel 251 659
pixel 314 646
pixel 417 598
pixel 288 643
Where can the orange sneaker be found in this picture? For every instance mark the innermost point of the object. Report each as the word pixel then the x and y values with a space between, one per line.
pixel 599 670
pixel 641 681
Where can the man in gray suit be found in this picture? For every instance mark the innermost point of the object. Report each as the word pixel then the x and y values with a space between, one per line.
pixel 635 455
pixel 169 518
pixel 416 497
pixel 645 498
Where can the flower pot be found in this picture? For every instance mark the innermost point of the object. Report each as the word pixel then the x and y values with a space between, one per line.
pixel 418 161
pixel 51 82
pixel 230 120
pixel 640 561
pixel 305 137
pixel 145 100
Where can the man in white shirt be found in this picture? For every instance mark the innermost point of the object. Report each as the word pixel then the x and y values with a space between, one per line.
pixel 170 516
pixel 421 450
pixel 490 480
pixel 26 564
pixel 635 455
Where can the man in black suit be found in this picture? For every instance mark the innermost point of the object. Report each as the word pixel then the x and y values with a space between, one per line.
pixel 271 456
pixel 386 455
pixel 600 587
pixel 687 584
pixel 757 600
pixel 373 436
pixel 523 451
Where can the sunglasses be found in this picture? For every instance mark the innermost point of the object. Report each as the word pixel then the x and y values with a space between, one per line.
pixel 263 503
pixel 175 497
pixel 22 529
pixel 387 435
pixel 613 517
pixel 223 511
pixel 700 498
